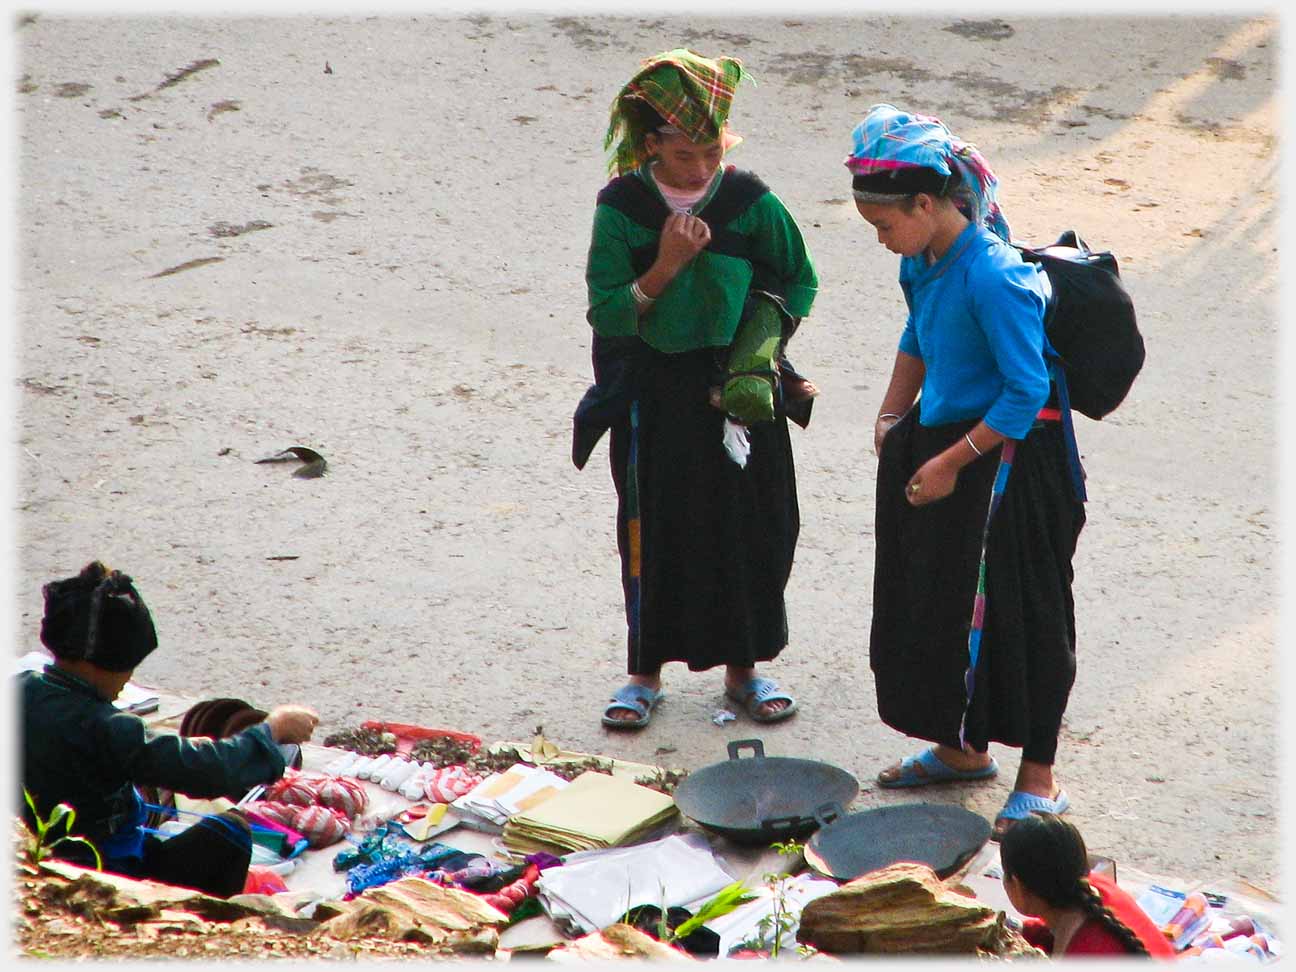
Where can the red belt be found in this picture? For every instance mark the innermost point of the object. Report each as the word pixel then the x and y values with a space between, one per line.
pixel 1049 415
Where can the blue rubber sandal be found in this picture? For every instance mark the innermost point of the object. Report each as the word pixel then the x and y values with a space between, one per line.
pixel 1021 805
pixel 638 699
pixel 934 770
pixel 756 691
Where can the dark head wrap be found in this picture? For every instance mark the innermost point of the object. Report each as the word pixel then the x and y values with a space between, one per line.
pixel 97 617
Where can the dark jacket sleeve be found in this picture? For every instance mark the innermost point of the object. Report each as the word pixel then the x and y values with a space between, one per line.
pixel 195 766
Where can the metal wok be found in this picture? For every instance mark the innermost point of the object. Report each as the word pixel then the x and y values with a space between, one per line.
pixel 760 799
pixel 941 836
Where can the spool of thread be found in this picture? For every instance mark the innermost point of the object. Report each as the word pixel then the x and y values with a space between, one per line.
pixel 1209 940
pixel 1192 912
pixel 1238 926
pixel 1256 946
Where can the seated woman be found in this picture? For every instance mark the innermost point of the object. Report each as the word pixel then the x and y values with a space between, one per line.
pixel 1071 910
pixel 79 749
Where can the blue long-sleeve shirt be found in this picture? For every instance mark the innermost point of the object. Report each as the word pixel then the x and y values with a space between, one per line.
pixel 976 319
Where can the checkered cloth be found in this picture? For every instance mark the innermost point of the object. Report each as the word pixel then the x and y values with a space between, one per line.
pixel 689 91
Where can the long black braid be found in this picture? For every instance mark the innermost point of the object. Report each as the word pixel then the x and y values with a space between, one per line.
pixel 1091 902
pixel 1048 855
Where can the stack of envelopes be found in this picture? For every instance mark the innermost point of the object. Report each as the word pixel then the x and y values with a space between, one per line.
pixel 595 811
pixel 489 804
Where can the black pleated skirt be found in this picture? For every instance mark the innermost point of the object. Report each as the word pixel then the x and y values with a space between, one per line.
pixel 927 577
pixel 706 545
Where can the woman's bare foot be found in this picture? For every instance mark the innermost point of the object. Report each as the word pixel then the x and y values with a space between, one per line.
pixel 736 677
pixel 622 714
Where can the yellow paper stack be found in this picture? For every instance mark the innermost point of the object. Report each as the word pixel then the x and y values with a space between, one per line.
pixel 594 812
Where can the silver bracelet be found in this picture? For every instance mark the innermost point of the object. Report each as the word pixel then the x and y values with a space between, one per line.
pixel 888 415
pixel 972 444
pixel 642 299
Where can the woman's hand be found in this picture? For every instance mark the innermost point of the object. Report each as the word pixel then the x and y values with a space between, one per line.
pixel 934 480
pixel 880 429
pixel 682 238
pixel 292 723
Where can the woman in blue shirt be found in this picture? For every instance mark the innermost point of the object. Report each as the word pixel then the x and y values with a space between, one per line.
pixel 973 631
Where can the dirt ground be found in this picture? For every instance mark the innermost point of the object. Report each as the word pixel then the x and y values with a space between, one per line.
pixel 366 235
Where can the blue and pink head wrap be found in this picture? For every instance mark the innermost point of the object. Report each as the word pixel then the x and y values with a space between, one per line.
pixel 896 153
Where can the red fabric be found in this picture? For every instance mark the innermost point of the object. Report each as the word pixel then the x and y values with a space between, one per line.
pixel 262 880
pixel 1094 937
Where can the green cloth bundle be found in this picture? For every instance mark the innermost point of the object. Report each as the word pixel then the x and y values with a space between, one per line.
pixel 753 365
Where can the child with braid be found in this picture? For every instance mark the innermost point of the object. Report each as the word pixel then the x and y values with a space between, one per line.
pixel 1071 910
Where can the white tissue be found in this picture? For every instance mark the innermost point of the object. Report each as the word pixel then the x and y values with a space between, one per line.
pixel 397 773
pixel 343 765
pixel 736 442
pixel 361 768
pixel 412 788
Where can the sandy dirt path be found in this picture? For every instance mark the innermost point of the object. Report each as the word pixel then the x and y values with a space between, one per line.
pixel 367 236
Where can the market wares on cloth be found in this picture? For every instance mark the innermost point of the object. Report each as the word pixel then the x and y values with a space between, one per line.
pixel 760 799
pixel 492 802
pixel 596 810
pixel 408 735
pixel 220 718
pixel 593 889
pixel 545 752
pixel 304 790
pixel 447 784
pixel 941 836
pixel 424 821
pixel 904 908
pixel 359 741
pixel 224 717
pixel 321 826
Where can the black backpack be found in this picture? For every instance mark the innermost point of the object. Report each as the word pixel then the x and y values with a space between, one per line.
pixel 1090 322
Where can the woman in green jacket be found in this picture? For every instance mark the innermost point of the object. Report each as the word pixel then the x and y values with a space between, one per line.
pixel 684 250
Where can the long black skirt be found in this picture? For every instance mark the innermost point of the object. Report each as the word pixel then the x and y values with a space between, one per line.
pixel 706 545
pixel 930 600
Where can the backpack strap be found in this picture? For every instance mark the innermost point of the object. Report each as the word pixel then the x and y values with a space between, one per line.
pixel 1057 374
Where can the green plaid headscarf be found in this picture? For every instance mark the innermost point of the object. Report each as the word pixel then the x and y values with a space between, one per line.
pixel 689 91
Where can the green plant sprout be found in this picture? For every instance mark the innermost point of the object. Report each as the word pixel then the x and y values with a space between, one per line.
pixel 40 846
pixel 779 922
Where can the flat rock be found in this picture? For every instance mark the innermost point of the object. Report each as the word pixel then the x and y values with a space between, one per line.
pixel 117 898
pixel 413 909
pixel 901 908
pixel 617 942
